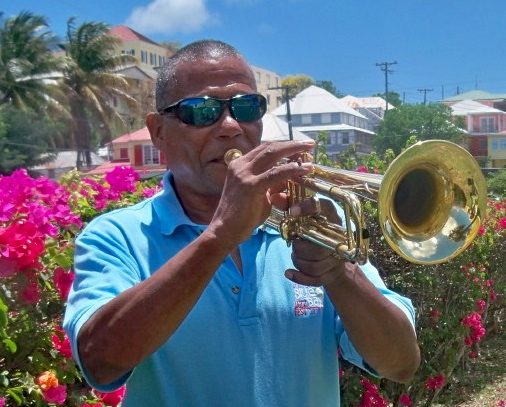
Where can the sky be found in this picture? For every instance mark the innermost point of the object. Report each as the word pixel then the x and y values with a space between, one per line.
pixel 434 48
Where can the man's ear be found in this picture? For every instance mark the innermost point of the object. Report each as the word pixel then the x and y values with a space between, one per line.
pixel 154 123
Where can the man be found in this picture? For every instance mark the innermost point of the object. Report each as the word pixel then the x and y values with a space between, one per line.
pixel 188 300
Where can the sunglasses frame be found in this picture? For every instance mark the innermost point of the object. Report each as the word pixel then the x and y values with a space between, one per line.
pixel 223 103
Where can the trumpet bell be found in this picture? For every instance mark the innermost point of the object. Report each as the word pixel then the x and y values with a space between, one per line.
pixel 431 202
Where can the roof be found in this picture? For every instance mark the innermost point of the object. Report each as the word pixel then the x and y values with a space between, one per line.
pixel 372 102
pixel 465 107
pixel 139 135
pixel 334 127
pixel 109 166
pixel 476 95
pixel 276 129
pixel 127 34
pixel 67 159
pixel 316 100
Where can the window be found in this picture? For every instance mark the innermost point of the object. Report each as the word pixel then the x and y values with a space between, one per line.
pixel 332 138
pixel 326 118
pixel 495 144
pixel 503 144
pixel 151 156
pixel 144 56
pixel 345 137
pixel 306 119
pixel 487 124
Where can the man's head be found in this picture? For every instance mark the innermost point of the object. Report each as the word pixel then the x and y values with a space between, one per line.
pixel 194 139
pixel 167 80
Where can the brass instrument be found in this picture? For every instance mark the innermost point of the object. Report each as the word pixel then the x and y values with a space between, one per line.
pixel 430 204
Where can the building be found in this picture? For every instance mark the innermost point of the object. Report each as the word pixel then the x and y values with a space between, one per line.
pixel 267 82
pixel 484 116
pixel 373 108
pixel 149 54
pixel 316 110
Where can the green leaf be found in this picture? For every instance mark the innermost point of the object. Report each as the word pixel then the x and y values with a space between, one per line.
pixel 16 393
pixel 63 261
pixel 11 345
pixel 3 315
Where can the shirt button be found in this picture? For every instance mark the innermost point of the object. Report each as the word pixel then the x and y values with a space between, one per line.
pixel 235 289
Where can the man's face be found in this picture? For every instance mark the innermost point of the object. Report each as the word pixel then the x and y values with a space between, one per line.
pixel 195 154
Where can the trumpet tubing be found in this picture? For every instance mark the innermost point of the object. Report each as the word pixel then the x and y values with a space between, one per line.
pixel 430 203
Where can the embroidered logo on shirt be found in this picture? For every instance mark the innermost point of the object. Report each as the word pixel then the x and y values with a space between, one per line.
pixel 308 300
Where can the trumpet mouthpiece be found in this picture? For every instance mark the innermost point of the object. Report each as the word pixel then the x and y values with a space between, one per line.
pixel 231 155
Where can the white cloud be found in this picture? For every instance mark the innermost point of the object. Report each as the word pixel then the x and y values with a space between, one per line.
pixel 170 16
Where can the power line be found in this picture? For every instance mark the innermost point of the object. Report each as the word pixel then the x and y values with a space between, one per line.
pixel 384 67
pixel 425 94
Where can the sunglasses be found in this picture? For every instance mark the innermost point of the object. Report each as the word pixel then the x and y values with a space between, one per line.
pixel 206 110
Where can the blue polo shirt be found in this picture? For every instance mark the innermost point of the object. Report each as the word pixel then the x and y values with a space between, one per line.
pixel 253 339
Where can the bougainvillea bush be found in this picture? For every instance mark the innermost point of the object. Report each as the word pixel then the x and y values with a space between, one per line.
pixel 458 303
pixel 39 220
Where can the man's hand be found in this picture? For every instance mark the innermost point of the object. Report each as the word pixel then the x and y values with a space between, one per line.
pixel 316 265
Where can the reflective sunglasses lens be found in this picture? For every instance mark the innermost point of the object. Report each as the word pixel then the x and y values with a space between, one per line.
pixel 248 108
pixel 199 111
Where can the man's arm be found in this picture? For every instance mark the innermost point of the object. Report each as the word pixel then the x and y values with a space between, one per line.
pixel 379 330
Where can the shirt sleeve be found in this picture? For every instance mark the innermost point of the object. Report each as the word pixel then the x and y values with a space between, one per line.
pixel 348 351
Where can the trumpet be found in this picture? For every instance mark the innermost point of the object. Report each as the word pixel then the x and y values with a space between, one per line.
pixel 430 204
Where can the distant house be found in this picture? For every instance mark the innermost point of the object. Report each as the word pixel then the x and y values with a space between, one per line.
pixel 134 150
pixel 64 162
pixel 485 120
pixel 373 108
pixel 314 110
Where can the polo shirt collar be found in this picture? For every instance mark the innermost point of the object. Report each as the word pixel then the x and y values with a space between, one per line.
pixel 171 214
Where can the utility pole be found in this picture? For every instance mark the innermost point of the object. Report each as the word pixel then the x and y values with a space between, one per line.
pixel 425 94
pixel 384 67
pixel 286 91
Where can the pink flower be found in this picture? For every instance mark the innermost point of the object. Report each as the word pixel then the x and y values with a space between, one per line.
pixel 473 322
pixel 55 395
pixel 61 342
pixel 404 400
pixel 371 396
pixel 63 281
pixel 436 382
pixel 482 230
pixel 112 398
pixel 362 169
pixel 502 223
pixel 122 179
pixel 2 401
pixel 481 306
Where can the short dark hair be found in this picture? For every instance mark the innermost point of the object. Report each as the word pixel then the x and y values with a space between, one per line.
pixel 199 50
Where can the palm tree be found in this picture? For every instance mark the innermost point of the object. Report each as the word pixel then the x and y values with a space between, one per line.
pixel 93 81
pixel 29 71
